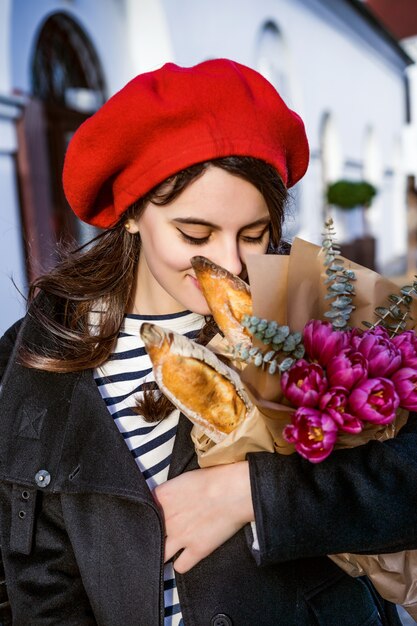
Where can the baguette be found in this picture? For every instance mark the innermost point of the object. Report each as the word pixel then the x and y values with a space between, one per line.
pixel 228 297
pixel 204 388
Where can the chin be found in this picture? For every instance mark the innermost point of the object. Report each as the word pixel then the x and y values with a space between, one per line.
pixel 198 305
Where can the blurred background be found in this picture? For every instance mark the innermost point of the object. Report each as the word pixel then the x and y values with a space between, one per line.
pixel 347 67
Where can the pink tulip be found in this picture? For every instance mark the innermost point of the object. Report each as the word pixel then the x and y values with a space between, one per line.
pixel 406 342
pixel 347 369
pixel 303 383
pixel 322 342
pixel 383 357
pixel 405 382
pixel 374 400
pixel 312 432
pixel 335 403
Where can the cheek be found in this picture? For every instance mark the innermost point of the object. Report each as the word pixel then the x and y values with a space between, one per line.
pixel 166 253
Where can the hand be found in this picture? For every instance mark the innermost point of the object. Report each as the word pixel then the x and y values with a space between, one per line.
pixel 202 509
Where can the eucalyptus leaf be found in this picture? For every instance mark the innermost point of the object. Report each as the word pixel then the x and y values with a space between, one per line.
pixel 286 364
pixel 262 324
pixel 244 354
pixel 289 344
pixel 342 301
pixel 258 359
pixel 271 330
pixel 394 298
pixel 299 352
pixel 339 323
pixel 339 287
pixel 272 367
pixel 297 337
pixel 332 314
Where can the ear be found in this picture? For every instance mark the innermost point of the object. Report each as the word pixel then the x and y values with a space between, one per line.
pixel 132 226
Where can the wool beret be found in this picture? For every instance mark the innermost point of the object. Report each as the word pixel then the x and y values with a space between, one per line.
pixel 166 120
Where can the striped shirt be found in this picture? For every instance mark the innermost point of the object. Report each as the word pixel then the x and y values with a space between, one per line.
pixel 120 381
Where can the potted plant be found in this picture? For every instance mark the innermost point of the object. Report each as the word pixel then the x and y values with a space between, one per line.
pixel 348 195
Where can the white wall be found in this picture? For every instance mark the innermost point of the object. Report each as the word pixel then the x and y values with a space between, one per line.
pixel 11 249
pixel 330 69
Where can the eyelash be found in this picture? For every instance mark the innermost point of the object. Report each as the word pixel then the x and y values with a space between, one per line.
pixel 200 242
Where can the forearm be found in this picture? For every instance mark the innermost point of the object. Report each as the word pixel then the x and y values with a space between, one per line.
pixel 361 500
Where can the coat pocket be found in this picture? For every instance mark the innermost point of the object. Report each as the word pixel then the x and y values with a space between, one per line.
pixel 346 601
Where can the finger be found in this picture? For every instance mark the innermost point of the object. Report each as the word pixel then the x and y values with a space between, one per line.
pixel 186 561
pixel 172 548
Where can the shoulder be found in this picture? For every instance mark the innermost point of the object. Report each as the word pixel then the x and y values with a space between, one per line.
pixel 29 327
pixel 7 343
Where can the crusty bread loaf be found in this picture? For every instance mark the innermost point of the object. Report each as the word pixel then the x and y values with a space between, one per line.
pixel 206 390
pixel 228 297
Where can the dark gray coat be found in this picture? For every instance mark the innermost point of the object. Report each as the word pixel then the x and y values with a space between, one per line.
pixel 87 546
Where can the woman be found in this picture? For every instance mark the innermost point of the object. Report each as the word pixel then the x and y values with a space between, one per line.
pixel 182 161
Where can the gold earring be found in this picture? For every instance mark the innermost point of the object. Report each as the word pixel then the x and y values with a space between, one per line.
pixel 127 225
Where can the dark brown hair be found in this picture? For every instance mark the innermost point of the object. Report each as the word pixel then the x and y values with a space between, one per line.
pixel 100 276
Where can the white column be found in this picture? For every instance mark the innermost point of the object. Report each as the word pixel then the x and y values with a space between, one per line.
pixel 148 35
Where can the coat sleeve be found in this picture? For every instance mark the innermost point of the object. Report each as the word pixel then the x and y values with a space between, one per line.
pixel 359 500
pixel 44 586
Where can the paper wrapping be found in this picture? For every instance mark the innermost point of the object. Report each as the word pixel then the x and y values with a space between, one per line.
pixel 252 435
pixel 293 294
pixel 393 575
pixel 290 290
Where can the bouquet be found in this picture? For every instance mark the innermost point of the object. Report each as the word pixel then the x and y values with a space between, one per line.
pixel 310 359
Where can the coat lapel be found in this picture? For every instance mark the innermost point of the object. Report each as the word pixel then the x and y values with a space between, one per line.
pixel 183 454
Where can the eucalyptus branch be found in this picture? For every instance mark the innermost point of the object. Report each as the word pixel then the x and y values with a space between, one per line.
pixel 339 281
pixel 286 347
pixel 394 318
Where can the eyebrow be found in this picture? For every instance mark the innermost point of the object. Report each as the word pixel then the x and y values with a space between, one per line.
pixel 264 221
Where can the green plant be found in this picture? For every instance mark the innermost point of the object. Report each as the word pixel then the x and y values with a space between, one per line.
pixel 286 346
pixel 395 317
pixel 339 281
pixel 347 194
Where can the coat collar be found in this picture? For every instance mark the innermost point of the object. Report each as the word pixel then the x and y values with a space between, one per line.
pixel 60 423
pixel 95 450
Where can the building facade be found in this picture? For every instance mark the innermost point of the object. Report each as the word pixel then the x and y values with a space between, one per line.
pixel 332 61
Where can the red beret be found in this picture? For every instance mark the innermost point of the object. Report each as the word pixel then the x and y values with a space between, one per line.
pixel 166 120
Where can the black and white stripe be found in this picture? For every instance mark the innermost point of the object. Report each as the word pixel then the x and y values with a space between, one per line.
pixel 120 381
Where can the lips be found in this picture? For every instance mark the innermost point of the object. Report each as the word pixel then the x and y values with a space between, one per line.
pixel 195 282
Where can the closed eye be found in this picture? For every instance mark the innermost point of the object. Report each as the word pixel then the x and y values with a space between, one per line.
pixel 200 241
pixel 195 241
pixel 258 239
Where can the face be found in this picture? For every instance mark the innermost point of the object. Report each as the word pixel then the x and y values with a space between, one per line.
pixel 219 216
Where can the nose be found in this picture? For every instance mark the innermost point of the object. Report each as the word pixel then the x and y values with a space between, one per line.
pixel 228 256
